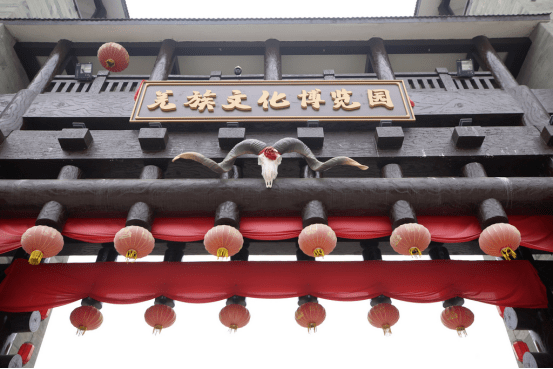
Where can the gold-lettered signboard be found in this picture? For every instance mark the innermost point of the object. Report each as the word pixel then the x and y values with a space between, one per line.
pixel 272 101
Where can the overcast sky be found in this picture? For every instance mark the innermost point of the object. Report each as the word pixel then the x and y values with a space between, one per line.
pixel 273 339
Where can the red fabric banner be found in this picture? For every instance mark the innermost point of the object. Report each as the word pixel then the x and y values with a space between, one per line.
pixel 536 231
pixel 510 283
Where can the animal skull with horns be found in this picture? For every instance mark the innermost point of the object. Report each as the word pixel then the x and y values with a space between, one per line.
pixel 269 157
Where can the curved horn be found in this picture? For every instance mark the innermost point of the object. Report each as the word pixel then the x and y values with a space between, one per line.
pixel 294 145
pixel 242 148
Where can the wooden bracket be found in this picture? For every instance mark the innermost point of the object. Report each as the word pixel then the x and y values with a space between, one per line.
pixel 75 139
pixel 313 137
pixel 153 139
pixel 390 138
pixel 227 213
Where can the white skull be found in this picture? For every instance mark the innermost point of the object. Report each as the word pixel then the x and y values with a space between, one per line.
pixel 269 168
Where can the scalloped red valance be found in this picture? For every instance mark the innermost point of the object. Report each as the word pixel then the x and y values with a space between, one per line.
pixel 505 283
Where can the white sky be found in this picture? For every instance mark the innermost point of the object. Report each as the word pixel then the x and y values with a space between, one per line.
pixel 273 339
pixel 268 9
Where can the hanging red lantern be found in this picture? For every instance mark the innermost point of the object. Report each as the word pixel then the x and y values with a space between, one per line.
pixel 317 240
pixel 26 352
pixel 223 241
pixel 86 318
pixel 234 316
pixel 113 57
pixel 310 315
pixel 134 242
pixel 458 318
pixel 159 317
pixel 500 239
pixel 384 316
pixel 412 103
pixel 410 239
pixel 41 242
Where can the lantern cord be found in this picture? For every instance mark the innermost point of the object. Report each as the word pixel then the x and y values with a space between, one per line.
pixel 110 63
pixel 222 253
pixel 461 331
pixel 157 329
pixel 318 252
pixel 387 330
pixel 131 254
pixel 508 253
pixel 312 325
pixel 414 251
pixel 36 257
pixel 81 330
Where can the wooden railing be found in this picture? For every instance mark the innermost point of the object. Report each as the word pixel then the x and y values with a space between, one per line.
pixel 413 81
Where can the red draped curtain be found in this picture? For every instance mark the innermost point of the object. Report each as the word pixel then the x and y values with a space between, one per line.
pixel 513 283
pixel 536 231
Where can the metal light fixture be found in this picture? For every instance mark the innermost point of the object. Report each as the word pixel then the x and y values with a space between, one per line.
pixel 465 68
pixel 83 72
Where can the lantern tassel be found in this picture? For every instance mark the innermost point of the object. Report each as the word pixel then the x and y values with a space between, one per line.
pixel 415 252
pixel 222 253
pixel 81 330
pixel 36 257
pixel 461 331
pixel 312 325
pixel 131 254
pixel 318 252
pixel 157 329
pixel 508 253
pixel 233 328
pixel 387 330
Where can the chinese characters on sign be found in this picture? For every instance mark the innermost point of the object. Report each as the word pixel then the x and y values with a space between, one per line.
pixel 341 100
pixel 219 101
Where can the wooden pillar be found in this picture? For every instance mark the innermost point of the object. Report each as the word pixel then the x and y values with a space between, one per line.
pixel 164 62
pixel 379 60
pixel 500 72
pixel 52 66
pixel 534 112
pixel 12 116
pixel 273 60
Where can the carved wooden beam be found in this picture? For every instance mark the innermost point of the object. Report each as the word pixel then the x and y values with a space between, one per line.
pixel 367 196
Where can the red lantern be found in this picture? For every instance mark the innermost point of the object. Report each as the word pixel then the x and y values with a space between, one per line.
pixel 26 352
pixel 310 315
pixel 86 318
pixel 134 242
pixel 384 316
pixel 159 317
pixel 458 318
pixel 410 239
pixel 234 316
pixel 113 57
pixel 317 240
pixel 223 241
pixel 41 242
pixel 500 239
